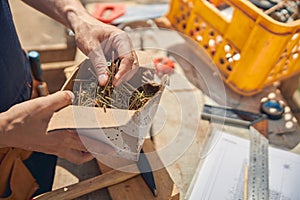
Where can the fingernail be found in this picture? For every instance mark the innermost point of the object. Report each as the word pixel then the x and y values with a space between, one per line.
pixel 102 79
pixel 72 96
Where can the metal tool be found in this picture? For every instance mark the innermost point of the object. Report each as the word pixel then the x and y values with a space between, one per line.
pixel 242 119
pixel 230 116
pixel 35 64
pixel 36 70
pixel 258 171
pixel 146 172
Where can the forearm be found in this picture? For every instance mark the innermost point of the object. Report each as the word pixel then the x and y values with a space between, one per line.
pixel 94 38
pixel 4 124
pixel 67 12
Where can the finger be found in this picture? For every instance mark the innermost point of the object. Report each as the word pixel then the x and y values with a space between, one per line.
pixel 46 105
pixel 75 141
pixel 122 43
pixel 70 139
pixel 75 156
pixel 136 60
pixel 72 155
pixel 128 62
pixel 58 100
pixel 99 62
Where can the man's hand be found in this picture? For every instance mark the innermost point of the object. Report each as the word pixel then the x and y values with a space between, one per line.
pixel 24 126
pixel 94 38
pixel 98 41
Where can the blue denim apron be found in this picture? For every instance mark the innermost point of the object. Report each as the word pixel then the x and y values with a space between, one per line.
pixel 15 77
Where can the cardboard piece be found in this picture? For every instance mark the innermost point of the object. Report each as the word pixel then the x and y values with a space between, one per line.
pixel 125 130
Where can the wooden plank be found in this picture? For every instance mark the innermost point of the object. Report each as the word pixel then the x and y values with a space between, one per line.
pixel 84 187
pixel 67 173
pixel 136 187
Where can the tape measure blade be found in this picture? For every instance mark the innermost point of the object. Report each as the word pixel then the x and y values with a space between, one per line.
pixel 258 174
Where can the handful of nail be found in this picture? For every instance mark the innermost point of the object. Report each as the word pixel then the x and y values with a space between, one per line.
pixel 132 94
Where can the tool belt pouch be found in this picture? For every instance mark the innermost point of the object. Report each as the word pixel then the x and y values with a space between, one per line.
pixel 16 181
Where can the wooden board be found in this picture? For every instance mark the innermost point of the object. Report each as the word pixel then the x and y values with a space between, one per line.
pixel 136 187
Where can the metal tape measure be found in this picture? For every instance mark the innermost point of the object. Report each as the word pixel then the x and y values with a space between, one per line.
pixel 258 171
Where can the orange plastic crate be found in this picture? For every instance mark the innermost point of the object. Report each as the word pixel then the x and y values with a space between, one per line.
pixel 251 49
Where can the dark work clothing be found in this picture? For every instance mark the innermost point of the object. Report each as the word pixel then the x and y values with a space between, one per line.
pixel 15 81
pixel 42 168
pixel 15 87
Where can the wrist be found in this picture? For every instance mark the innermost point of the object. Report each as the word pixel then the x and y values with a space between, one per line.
pixel 79 19
pixel 76 17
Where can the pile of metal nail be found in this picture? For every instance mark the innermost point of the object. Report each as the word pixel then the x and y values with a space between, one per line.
pixel 104 93
pixel 88 93
pixel 142 95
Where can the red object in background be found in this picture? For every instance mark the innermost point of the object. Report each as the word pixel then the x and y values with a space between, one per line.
pixel 163 65
pixel 107 12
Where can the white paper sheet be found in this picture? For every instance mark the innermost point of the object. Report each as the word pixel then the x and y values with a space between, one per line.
pixel 221 176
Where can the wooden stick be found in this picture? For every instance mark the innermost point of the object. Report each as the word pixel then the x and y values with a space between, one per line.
pixel 272 9
pixel 246 182
pixel 84 187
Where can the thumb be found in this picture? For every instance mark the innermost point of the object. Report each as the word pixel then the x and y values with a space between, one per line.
pixel 99 62
pixel 59 100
